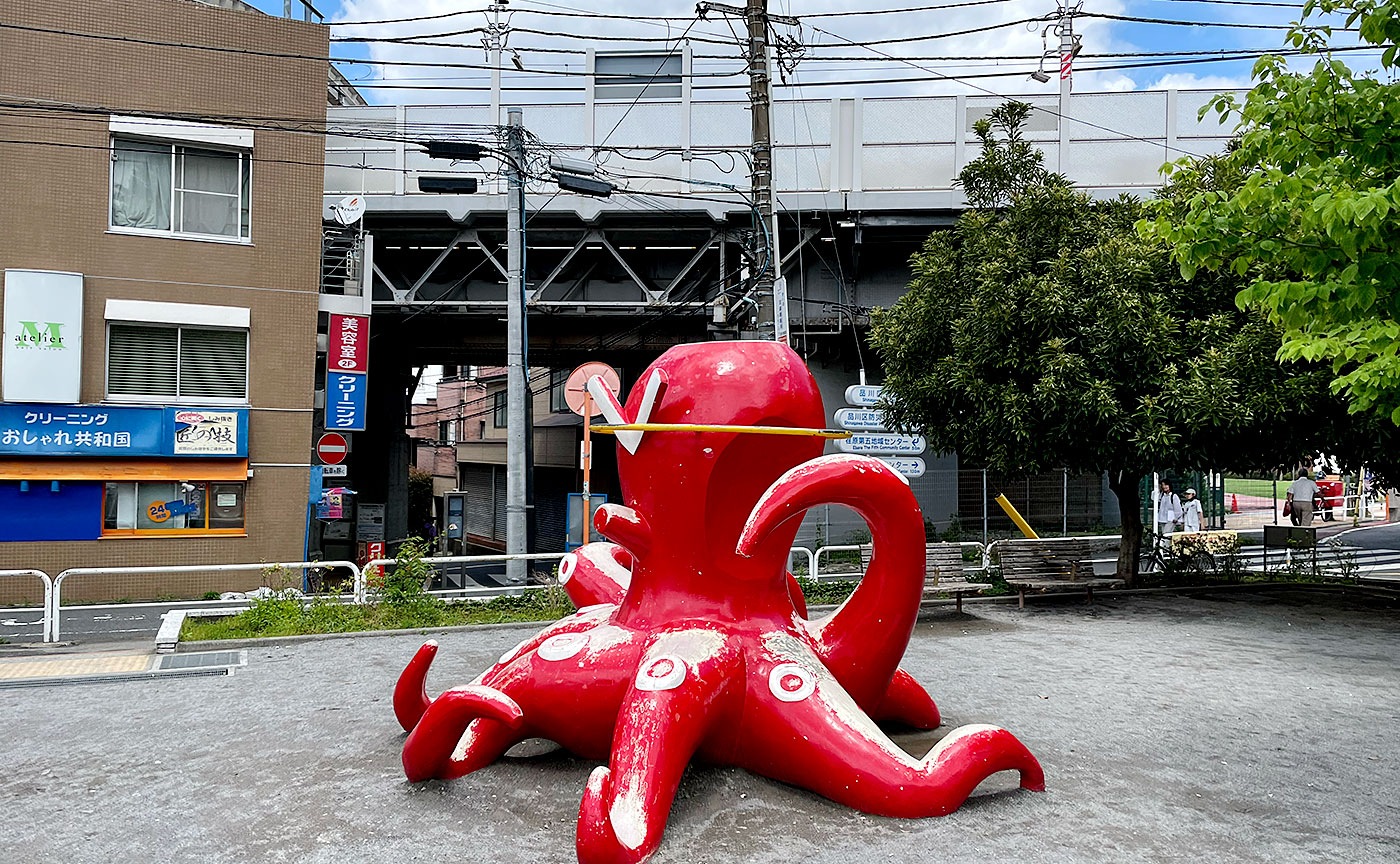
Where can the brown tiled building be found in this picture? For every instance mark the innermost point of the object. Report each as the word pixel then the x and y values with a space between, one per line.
pixel 160 239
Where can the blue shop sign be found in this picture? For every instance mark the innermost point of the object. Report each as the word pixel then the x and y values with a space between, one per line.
pixel 346 406
pixel 121 431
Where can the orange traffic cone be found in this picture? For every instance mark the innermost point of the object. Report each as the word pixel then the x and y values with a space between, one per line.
pixel 1234 503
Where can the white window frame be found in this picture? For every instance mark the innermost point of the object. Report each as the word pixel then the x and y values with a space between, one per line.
pixel 177 399
pixel 683 82
pixel 175 135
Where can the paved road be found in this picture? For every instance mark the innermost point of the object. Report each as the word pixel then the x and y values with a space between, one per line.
pixel 1378 537
pixel 1240 728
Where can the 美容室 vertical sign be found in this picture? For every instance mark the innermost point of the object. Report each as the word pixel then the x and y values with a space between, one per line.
pixel 347 372
pixel 43 332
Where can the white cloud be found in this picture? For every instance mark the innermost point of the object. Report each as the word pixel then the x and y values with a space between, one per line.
pixel 1191 81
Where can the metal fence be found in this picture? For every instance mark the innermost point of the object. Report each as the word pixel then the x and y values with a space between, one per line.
pixel 55 605
pixel 960 505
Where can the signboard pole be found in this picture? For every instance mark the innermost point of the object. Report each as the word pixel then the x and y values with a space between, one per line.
pixel 587 458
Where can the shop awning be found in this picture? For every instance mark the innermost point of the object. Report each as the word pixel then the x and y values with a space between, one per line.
pixel 123 469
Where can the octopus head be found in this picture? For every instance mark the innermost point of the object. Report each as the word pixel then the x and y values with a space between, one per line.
pixel 701 485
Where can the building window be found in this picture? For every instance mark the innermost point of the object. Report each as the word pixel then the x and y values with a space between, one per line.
pixel 557 379
pixel 637 76
pixel 147 361
pixel 180 190
pixel 498 409
pixel 447 431
pixel 173 507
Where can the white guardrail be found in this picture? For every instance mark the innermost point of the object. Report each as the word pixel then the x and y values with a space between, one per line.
pixel 362 592
pixel 48 622
pixel 55 601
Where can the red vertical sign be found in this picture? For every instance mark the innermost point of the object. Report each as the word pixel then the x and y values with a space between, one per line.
pixel 349 344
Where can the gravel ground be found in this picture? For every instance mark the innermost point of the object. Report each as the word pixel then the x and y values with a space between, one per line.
pixel 1228 727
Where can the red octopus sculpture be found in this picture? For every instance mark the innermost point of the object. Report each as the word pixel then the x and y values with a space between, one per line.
pixel 692 641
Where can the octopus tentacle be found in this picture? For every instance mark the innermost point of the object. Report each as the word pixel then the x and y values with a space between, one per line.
pixel 907 702
pixel 410 693
pixel 596 573
pixel 432 747
pixel 864 769
pixel 799 600
pixel 887 599
pixel 688 683
pixel 624 525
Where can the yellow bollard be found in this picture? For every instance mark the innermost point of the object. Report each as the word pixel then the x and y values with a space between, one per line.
pixel 1016 517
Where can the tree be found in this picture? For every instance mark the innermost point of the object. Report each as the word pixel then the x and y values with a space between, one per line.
pixel 1049 333
pixel 1310 219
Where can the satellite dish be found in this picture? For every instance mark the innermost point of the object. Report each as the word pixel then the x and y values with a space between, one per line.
pixel 349 209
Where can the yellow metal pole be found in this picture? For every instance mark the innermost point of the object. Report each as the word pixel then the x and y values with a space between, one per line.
pixel 587 459
pixel 1016 517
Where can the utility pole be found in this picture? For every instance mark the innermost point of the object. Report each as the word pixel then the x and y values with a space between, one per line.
pixel 518 429
pixel 761 179
pixel 771 304
pixel 1068 48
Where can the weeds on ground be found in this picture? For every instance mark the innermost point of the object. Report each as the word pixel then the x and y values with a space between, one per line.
pixel 991 576
pixel 826 593
pixel 400 602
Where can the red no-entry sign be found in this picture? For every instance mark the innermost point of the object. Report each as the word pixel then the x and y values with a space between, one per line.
pixel 331 448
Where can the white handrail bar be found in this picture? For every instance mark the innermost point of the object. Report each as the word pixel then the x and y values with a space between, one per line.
pixel 360 592
pixel 181 568
pixel 48 598
pixel 817 556
pixel 811 560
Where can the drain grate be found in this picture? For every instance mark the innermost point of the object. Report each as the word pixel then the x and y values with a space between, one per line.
pixel 203 660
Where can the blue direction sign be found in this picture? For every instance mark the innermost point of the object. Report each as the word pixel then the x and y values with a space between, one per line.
pixel 882 443
pixel 861 419
pixel 862 394
pixel 909 466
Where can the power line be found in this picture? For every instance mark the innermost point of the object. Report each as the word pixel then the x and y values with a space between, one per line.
pixel 1227 24
pixel 284 55
pixel 1050 111
pixel 849 82
pixel 568 12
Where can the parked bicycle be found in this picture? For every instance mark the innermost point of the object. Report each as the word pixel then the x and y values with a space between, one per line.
pixel 1159 555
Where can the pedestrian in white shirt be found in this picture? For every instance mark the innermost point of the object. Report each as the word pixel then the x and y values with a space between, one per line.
pixel 1168 509
pixel 1191 512
pixel 1300 497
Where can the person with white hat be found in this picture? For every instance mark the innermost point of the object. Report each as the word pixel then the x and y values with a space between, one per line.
pixel 1191 511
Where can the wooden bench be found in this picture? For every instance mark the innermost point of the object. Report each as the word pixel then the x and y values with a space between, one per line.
pixel 1048 565
pixel 943 573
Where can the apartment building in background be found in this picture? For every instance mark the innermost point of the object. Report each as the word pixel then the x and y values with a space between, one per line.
pixel 160 242
pixel 466 422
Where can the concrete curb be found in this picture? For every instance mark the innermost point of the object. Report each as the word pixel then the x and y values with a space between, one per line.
pixel 924 612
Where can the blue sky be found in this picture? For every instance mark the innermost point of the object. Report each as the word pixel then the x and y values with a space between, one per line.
pixel 1100 36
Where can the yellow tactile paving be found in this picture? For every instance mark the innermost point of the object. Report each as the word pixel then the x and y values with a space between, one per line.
pixel 56 667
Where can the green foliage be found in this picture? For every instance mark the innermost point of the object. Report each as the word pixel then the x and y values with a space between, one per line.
pixel 405 582
pixel 1051 333
pixel 289 617
pixel 826 593
pixel 1007 166
pixel 1304 207
pixel 210 595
